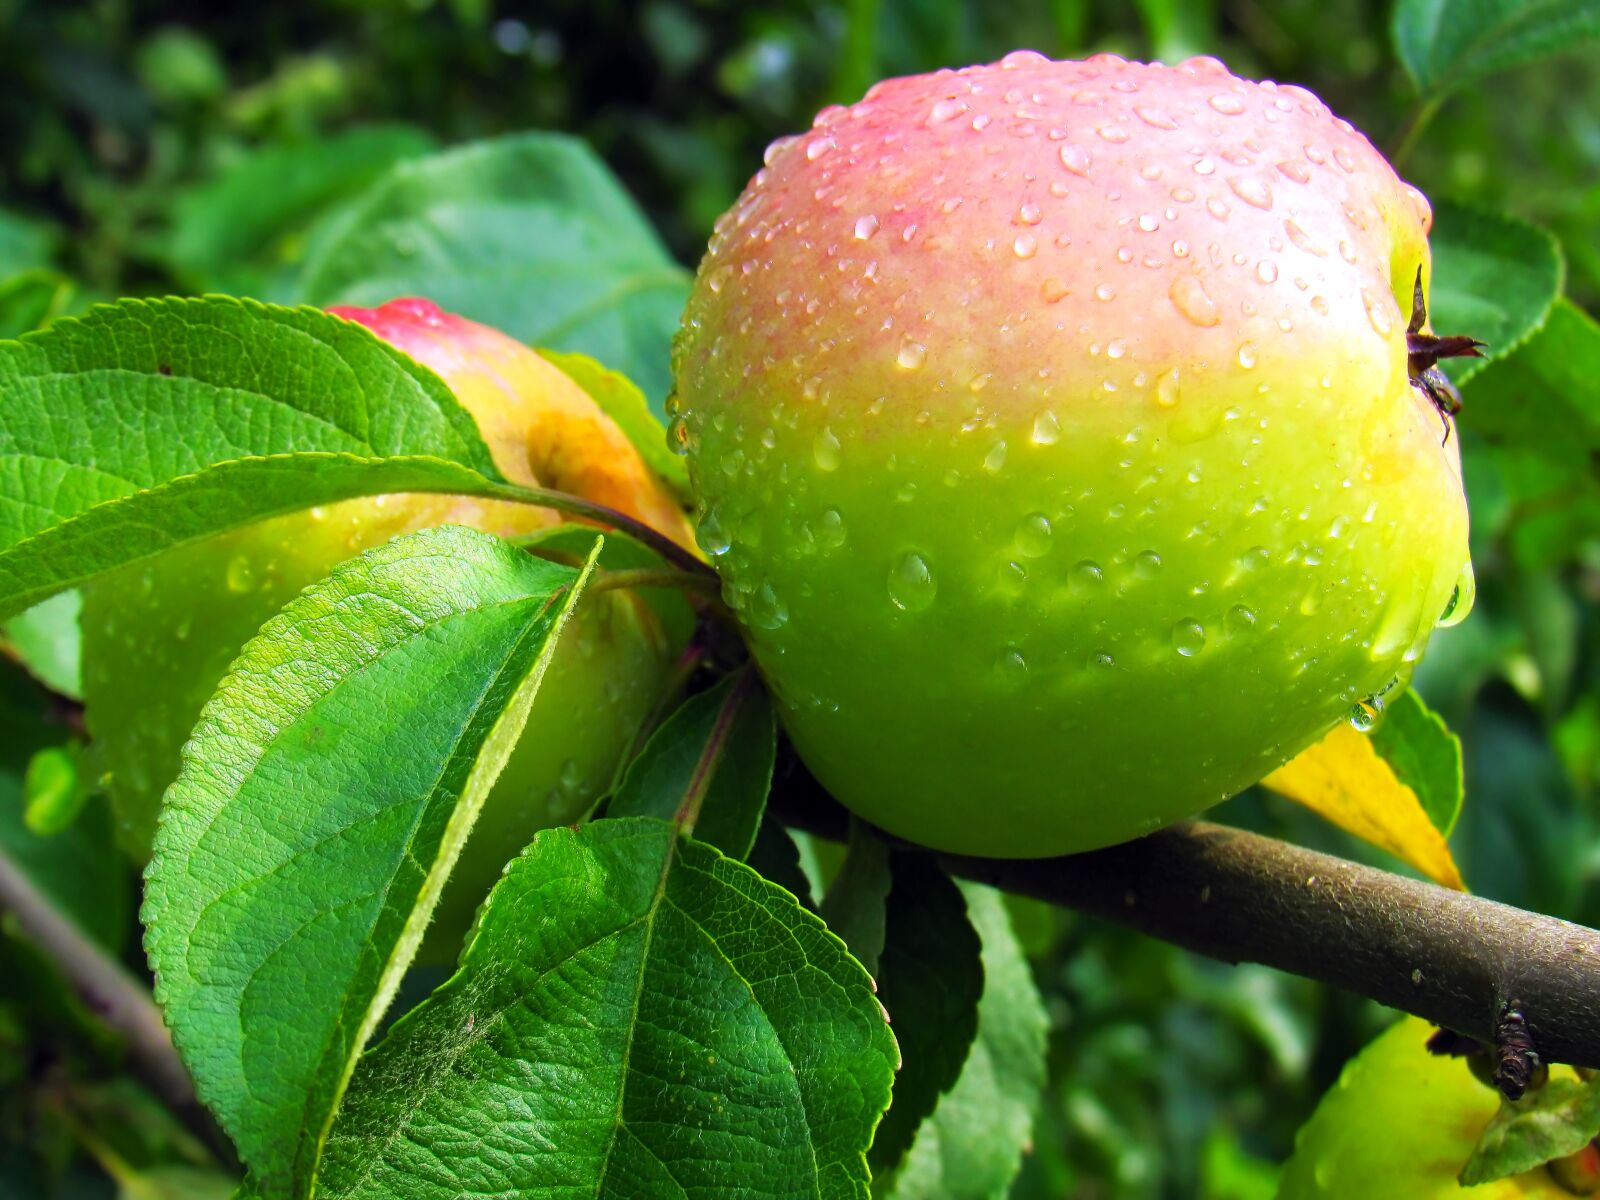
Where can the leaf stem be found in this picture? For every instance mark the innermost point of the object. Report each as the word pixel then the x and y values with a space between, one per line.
pixel 112 994
pixel 1421 116
pixel 642 577
pixel 577 506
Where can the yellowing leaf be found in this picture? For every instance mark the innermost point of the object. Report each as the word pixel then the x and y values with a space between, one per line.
pixel 1343 779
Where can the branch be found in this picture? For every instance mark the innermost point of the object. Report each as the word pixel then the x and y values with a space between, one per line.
pixel 113 995
pixel 1453 959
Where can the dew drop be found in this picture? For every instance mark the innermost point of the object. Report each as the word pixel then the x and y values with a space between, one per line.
pixel 817 147
pixel 1087 573
pixel 766 610
pixel 830 531
pixel 1378 307
pixel 1190 298
pixel 1204 166
pixel 825 450
pixel 1149 222
pixel 1115 134
pixel 1266 271
pixel 1365 714
pixel 1239 619
pixel 1052 290
pixel 1301 238
pixel 241 575
pixel 1024 245
pixel 1147 564
pixel 1226 104
pixel 1466 591
pixel 995 459
pixel 1011 668
pixel 1252 189
pixel 1033 535
pixel 865 227
pixel 1102 661
pixel 1247 355
pixel 912 354
pixel 1296 171
pixel 1217 208
pixel 1075 159
pixel 911 583
pixel 1104 291
pixel 1167 389
pixel 1030 214
pixel 711 534
pixel 1046 429
pixel 1188 638
pixel 1155 118
pixel 946 110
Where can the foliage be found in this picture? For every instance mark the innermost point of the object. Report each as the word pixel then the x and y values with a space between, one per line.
pixel 350 151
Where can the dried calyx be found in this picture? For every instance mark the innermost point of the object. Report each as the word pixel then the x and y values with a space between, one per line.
pixel 1423 352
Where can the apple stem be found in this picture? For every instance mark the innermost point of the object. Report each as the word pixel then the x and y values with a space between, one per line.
pixel 643 577
pixel 1449 957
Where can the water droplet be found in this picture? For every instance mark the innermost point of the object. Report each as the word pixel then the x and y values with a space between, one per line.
pixel 825 450
pixel 911 583
pixel 1075 159
pixel 1342 157
pixel 1252 189
pixel 1188 638
pixel 766 611
pixel 1226 104
pixel 829 530
pixel 1239 619
pixel 1102 660
pixel 946 110
pixel 1247 355
pixel 1052 289
pixel 1266 271
pixel 1149 222
pixel 1190 298
pixel 1030 214
pixel 1155 118
pixel 1046 429
pixel 1296 171
pixel 1365 714
pixel 865 227
pixel 1147 564
pixel 912 354
pixel 1087 573
pixel 711 534
pixel 241 574
pixel 1011 668
pixel 817 147
pixel 1255 558
pixel 995 459
pixel 1104 291
pixel 1378 311
pixel 1024 245
pixel 1115 134
pixel 1466 591
pixel 1301 238
pixel 1033 535
pixel 1167 389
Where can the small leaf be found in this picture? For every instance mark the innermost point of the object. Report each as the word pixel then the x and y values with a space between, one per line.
pixel 1448 44
pixel 1424 756
pixel 323 799
pixel 636 1016
pixel 150 423
pixel 855 906
pixel 930 976
pixel 53 790
pixel 531 234
pixel 47 640
pixel 1494 278
pixel 572 543
pixel 713 757
pixel 1556 1120
pixel 625 404
pixel 776 858
pixel 1346 779
pixel 971 1147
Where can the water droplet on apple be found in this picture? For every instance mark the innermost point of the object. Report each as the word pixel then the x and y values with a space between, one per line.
pixel 1466 591
pixel 1190 298
pixel 1033 535
pixel 1188 638
pixel 865 227
pixel 912 586
pixel 1046 429
pixel 912 354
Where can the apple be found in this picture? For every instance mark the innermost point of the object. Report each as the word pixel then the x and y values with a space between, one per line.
pixel 1401 1123
pixel 159 636
pixel 1051 428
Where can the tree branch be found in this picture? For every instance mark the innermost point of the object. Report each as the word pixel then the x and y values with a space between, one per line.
pixel 1453 959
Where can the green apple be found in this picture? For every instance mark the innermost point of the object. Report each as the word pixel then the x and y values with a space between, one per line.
pixel 158 636
pixel 1051 428
pixel 1400 1124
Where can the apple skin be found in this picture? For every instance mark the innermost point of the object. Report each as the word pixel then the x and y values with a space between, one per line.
pixel 1050 427
pixel 1401 1123
pixel 159 636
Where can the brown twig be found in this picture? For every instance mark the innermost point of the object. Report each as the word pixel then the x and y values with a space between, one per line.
pixel 1457 960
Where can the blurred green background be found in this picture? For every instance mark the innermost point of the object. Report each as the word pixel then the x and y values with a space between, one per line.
pixel 160 147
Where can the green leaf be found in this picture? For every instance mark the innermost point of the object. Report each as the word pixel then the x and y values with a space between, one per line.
pixel 1494 278
pixel 1552 1122
pixel 713 757
pixel 47 640
pixel 1424 755
pixel 1448 44
pixel 24 243
pixel 573 543
pixel 531 234
pixel 972 1146
pixel 32 299
pixel 776 858
pixel 273 194
pixel 621 400
pixel 324 797
pixel 150 423
pixel 930 976
pixel 637 1016
pixel 855 906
